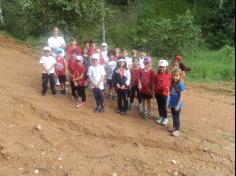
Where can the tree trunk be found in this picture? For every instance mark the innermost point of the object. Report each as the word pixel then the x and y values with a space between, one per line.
pixel 103 23
pixel 1 16
pixel 221 4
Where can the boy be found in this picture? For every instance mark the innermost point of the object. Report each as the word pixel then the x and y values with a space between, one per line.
pixel 127 58
pixel 142 56
pixel 48 62
pixel 96 74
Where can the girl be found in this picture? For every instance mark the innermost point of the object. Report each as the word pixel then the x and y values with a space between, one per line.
pixel 73 46
pixel 162 89
pixel 176 95
pixel 109 68
pixel 60 69
pixel 117 53
pixel 86 62
pixel 175 65
pixel 72 66
pixel 121 81
pixel 146 87
pixel 134 53
pixel 135 73
pixel 182 66
pixel 79 81
pixel 96 75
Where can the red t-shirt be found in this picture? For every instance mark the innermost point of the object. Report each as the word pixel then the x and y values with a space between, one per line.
pixel 135 73
pixel 72 65
pixel 60 66
pixel 162 83
pixel 78 72
pixel 91 51
pixel 146 79
pixel 71 48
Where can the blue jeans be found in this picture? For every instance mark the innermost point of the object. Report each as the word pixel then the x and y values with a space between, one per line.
pixel 162 102
pixel 176 116
pixel 99 97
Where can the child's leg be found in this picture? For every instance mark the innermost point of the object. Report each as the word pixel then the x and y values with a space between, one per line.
pixel 125 99
pixel 164 106
pixel 119 100
pixel 159 104
pixel 139 96
pixel 95 92
pixel 73 89
pixel 149 105
pixel 83 94
pixel 176 119
pixel 52 83
pixel 101 97
pixel 132 94
pixel 144 104
pixel 44 83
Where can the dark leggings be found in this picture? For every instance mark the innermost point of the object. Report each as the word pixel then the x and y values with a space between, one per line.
pixel 134 90
pixel 122 100
pixel 51 78
pixel 162 102
pixel 176 116
pixel 81 92
pixel 99 97
pixel 73 89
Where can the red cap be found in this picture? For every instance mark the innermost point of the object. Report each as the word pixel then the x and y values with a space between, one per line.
pixel 179 58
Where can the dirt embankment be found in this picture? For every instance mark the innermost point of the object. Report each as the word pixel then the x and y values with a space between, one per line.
pixel 72 142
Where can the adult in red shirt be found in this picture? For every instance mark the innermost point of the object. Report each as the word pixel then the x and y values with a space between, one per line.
pixel 73 47
pixel 162 90
pixel 135 73
pixel 79 81
pixel 146 87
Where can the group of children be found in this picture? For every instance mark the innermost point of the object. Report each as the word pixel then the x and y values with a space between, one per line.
pixel 126 78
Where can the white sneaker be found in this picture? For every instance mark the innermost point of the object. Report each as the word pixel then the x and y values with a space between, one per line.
pixel 140 107
pixel 159 120
pixel 164 121
pixel 131 106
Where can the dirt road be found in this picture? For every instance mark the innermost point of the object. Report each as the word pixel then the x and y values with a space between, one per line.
pixel 73 142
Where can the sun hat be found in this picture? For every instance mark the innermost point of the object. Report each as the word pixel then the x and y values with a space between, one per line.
pixel 96 56
pixel 162 63
pixel 79 58
pixel 147 60
pixel 46 48
pixel 179 58
pixel 58 50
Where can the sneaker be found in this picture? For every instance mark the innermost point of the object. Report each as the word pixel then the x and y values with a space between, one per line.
pixel 101 110
pixel 175 133
pixel 164 121
pixel 131 106
pixel 118 111
pixel 96 110
pixel 140 107
pixel 159 120
pixel 143 114
pixel 148 115
pixel 123 113
pixel 78 105
pixel 171 130
pixel 63 92
pixel 43 93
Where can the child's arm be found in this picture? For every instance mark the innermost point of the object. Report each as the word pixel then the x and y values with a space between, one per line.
pixel 79 78
pixel 179 101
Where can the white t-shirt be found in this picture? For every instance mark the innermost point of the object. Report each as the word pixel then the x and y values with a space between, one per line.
pixel 128 61
pixel 109 68
pixel 104 56
pixel 96 73
pixel 57 42
pixel 48 62
pixel 141 64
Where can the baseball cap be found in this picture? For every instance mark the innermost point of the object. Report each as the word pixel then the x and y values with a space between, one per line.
pixel 46 48
pixel 96 56
pixel 162 63
pixel 121 60
pixel 179 58
pixel 79 58
pixel 104 44
pixel 147 60
pixel 58 50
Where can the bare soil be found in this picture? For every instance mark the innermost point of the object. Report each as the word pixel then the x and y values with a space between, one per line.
pixel 73 142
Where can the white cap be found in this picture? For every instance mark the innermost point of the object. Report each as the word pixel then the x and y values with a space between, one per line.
pixel 79 58
pixel 104 44
pixel 46 48
pixel 162 63
pixel 121 60
pixel 96 56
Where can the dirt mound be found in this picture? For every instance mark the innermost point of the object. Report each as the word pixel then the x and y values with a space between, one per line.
pixel 48 136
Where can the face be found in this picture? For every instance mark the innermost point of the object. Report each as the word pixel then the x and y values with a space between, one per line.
pixel 147 65
pixel 176 77
pixel 55 32
pixel 59 54
pixel 117 50
pixel 135 62
pixel 85 51
pixel 47 53
pixel 175 65
pixel 86 45
pixel 161 69
pixel 94 62
pixel 93 45
pixel 103 48
pixel 79 62
pixel 111 57
pixel 125 53
pixel 121 64
pixel 73 43
pixel 143 54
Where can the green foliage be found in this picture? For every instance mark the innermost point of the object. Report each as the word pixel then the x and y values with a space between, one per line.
pixel 169 37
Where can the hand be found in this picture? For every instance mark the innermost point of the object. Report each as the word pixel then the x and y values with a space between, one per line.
pixel 48 72
pixel 123 87
pixel 177 108
pixel 139 87
pixel 118 86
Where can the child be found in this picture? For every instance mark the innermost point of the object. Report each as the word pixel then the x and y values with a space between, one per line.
pixel 146 87
pixel 134 53
pixel 117 53
pixel 162 89
pixel 175 65
pixel 72 66
pixel 96 75
pixel 60 68
pixel 86 61
pixel 92 48
pixel 79 81
pixel 127 59
pixel 73 46
pixel 109 68
pixel 104 52
pixel 135 73
pixel 176 95
pixel 142 56
pixel 48 62
pixel 121 81
pixel 86 44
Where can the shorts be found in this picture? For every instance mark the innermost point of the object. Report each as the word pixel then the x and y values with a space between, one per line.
pixel 62 79
pixel 109 83
pixel 146 96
